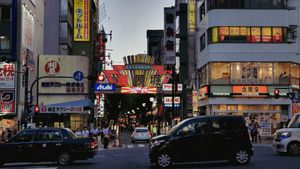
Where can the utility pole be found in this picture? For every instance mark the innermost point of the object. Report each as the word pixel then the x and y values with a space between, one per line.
pixel 25 83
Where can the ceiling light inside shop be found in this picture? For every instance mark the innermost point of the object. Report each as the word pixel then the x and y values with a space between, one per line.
pixel 2 37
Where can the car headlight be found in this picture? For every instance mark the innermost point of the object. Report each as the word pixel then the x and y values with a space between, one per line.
pixel 285 135
pixel 156 143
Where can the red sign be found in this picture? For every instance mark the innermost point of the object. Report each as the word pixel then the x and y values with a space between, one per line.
pixel 138 90
pixel 250 91
pixel 7 101
pixel 52 67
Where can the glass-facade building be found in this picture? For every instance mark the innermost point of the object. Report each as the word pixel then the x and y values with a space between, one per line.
pixel 245 49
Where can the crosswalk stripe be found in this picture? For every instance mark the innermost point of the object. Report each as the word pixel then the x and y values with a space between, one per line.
pixel 130 146
pixel 141 145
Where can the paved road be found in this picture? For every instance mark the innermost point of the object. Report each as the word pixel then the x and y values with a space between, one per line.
pixel 135 156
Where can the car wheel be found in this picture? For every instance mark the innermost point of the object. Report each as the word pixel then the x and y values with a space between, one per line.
pixel 242 156
pixel 294 149
pixel 164 160
pixel 64 159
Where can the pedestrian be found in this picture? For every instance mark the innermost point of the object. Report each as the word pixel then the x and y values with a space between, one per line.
pixel 253 129
pixel 78 133
pixel 258 131
pixel 85 132
pixel 106 133
pixel 95 133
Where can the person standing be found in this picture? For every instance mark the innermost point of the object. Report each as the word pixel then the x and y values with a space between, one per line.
pixel 95 133
pixel 78 133
pixel 106 133
pixel 85 133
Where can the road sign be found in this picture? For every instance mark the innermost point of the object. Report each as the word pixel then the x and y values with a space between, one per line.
pixel 78 75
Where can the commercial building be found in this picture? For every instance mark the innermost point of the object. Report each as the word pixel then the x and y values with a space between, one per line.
pixel 245 49
pixel 70 42
pixel 21 31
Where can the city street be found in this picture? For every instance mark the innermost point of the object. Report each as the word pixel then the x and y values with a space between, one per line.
pixel 135 156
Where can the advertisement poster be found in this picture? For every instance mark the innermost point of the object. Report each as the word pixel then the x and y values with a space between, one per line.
pixel 277 34
pixel 266 34
pixel 223 32
pixel 255 32
pixel 7 101
pixel 81 20
pixel 7 75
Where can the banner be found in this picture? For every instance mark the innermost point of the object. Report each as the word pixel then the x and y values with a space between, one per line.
pixel 81 20
pixel 191 16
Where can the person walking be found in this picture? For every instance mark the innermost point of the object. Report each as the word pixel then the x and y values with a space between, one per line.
pixel 95 133
pixel 106 133
pixel 253 129
pixel 78 133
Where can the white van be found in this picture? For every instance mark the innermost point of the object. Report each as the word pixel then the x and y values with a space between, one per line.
pixel 287 140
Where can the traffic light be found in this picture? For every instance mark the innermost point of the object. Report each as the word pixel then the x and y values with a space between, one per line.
pixel 36 109
pixel 276 93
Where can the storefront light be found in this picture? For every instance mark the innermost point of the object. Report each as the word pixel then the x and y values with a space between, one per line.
pixel 2 37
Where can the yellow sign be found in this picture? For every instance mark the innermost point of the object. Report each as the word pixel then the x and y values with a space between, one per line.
pixel 191 16
pixel 81 20
pixel 195 101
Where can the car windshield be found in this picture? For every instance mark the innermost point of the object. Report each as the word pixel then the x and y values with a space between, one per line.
pixel 71 133
pixel 176 126
pixel 295 122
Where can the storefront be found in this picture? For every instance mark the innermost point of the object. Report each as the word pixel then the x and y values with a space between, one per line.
pixel 253 102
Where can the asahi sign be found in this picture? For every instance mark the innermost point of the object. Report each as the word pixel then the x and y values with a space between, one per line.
pixel 104 87
pixel 168 87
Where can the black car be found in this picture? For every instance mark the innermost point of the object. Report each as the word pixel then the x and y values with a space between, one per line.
pixel 204 138
pixel 47 144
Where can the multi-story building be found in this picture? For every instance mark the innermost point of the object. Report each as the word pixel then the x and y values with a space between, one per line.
pixel 21 31
pixel 245 49
pixel 71 28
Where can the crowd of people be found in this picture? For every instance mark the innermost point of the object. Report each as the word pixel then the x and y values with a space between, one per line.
pixel 103 136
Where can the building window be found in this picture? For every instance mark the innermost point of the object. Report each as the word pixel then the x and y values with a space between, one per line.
pixel 63 32
pixel 5 13
pixel 246 4
pixel 220 73
pixel 63 7
pixel 295 71
pixel 247 35
pixel 281 73
pixel 4 42
pixel 202 42
pixel 202 11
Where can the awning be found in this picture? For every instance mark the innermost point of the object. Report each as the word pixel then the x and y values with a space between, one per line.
pixel 77 106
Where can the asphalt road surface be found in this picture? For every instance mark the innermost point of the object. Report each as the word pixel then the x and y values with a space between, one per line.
pixel 135 156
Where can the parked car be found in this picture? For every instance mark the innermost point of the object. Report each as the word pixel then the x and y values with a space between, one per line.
pixel 203 138
pixel 140 134
pixel 287 140
pixel 47 144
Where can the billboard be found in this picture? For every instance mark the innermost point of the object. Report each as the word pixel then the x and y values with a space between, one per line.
pixel 7 101
pixel 81 20
pixel 7 75
pixel 169 36
pixel 58 72
pixel 191 16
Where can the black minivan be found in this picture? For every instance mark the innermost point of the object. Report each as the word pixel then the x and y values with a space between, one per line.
pixel 203 138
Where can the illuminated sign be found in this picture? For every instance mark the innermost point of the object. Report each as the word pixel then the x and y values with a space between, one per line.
pixel 104 87
pixel 203 91
pixel 7 101
pixel 52 68
pixel 249 91
pixel 81 20
pixel 191 15
pixel 168 101
pixel 168 87
pixel 138 90
pixel 195 101
pixel 137 66
pixel 7 75
pixel 61 109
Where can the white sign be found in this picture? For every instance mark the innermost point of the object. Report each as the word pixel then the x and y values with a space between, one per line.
pixel 168 100
pixel 61 109
pixel 7 75
pixel 168 87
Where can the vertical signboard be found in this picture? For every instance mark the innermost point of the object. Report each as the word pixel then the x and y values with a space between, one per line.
pixel 27 39
pixel 7 75
pixel 195 102
pixel 7 101
pixel 170 36
pixel 191 16
pixel 81 20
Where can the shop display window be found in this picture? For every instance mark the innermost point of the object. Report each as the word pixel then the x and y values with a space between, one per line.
pixel 281 73
pixel 220 73
pixel 236 34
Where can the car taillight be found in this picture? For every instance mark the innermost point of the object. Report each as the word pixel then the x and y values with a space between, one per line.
pixel 93 144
